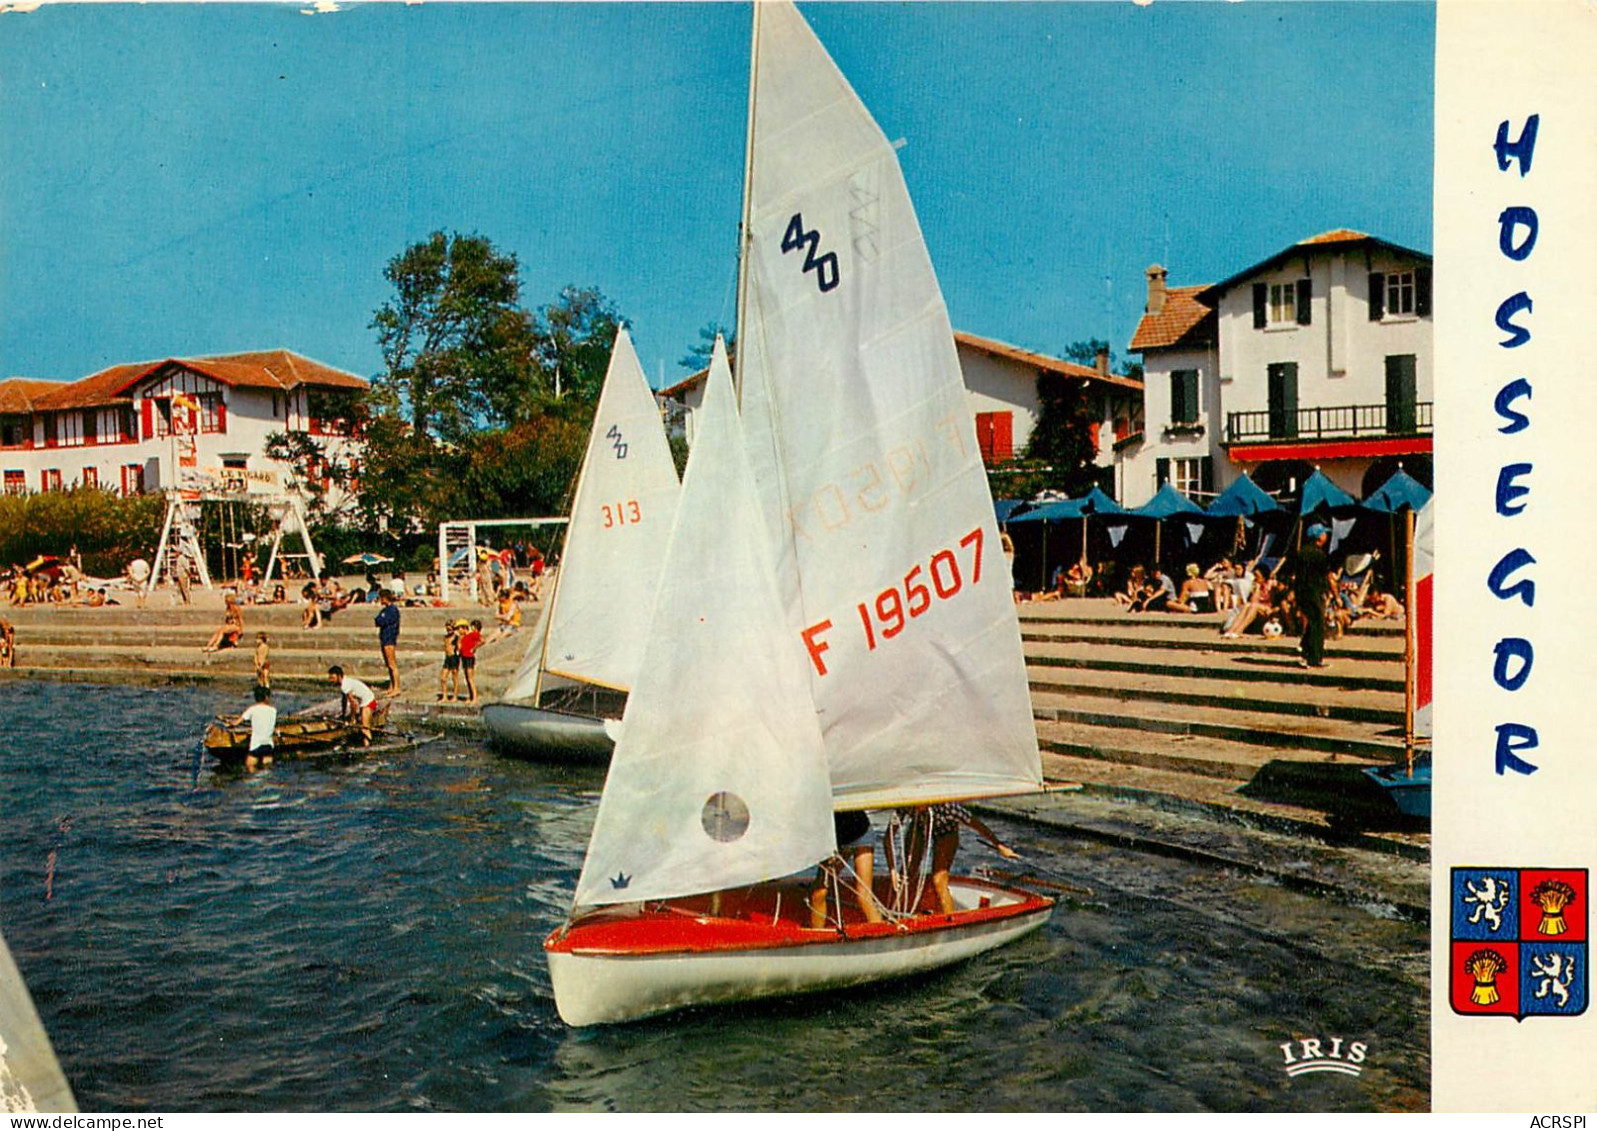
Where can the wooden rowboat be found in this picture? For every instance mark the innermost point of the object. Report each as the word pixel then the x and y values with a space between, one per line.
pixel 305 737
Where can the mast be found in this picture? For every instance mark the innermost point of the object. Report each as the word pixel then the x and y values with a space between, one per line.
pixel 748 196
pixel 1410 649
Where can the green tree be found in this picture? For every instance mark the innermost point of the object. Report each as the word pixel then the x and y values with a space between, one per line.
pixel 574 336
pixel 456 343
pixel 698 355
pixel 1086 353
pixel 1061 451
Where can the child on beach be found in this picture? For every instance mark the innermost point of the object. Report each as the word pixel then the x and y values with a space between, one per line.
pixel 449 674
pixel 263 660
pixel 469 643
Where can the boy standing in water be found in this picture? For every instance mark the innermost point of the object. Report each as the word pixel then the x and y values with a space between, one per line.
pixel 262 718
pixel 263 661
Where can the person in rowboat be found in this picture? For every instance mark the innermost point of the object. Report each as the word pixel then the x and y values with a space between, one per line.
pixel 856 848
pixel 359 701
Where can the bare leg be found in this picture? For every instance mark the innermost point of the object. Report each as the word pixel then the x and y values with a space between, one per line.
pixel 943 850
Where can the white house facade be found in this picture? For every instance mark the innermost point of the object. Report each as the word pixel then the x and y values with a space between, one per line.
pixel 152 426
pixel 1319 357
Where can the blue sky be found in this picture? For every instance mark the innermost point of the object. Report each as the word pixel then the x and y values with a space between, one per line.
pixel 190 179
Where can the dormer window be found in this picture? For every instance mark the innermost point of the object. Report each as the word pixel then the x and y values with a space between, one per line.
pixel 1400 295
pixel 1400 292
pixel 1282 304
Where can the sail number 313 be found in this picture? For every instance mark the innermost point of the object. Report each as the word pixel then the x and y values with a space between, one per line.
pixel 824 266
pixel 624 513
pixel 890 611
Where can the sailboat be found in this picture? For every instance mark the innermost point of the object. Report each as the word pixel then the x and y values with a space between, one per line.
pixel 833 631
pixel 566 699
pixel 30 1075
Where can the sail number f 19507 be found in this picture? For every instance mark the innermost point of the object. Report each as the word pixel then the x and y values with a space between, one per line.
pixel 889 613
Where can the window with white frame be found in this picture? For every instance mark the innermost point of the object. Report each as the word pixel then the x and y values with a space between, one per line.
pixel 1283 303
pixel 1399 293
pixel 1186 475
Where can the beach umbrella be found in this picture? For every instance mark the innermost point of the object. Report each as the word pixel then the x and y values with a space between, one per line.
pixel 367 559
pixel 1097 502
pixel 1319 493
pixel 43 561
pixel 1243 498
pixel 1006 509
pixel 1167 503
pixel 1400 491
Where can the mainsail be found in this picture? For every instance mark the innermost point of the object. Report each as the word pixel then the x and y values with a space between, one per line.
pixel 719 777
pixel 621 516
pixel 864 449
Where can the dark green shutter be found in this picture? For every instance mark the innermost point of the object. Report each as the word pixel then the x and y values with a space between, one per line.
pixel 1422 291
pixel 1161 472
pixel 1261 299
pixel 1377 296
pixel 1305 296
pixel 1206 475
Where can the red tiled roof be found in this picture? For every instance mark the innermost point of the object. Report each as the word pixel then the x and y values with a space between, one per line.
pixel 102 388
pixel 1183 312
pixel 1338 235
pixel 267 369
pixel 1042 361
pixel 17 394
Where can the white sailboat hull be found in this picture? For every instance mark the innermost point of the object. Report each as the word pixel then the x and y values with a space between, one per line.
pixel 548 736
pixel 598 986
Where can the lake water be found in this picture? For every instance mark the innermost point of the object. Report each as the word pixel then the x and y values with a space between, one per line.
pixel 366 937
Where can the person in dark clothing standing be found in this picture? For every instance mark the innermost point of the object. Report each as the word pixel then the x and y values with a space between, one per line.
pixel 387 622
pixel 1311 584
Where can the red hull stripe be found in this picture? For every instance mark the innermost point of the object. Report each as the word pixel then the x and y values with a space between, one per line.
pixel 686 927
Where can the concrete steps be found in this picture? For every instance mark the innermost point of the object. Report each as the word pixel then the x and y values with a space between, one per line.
pixel 1160 702
pixel 1217 692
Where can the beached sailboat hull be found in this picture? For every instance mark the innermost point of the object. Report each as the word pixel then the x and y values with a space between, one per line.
pixel 543 735
pixel 629 964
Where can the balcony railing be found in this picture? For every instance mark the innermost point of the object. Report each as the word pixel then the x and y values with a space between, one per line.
pixel 1329 422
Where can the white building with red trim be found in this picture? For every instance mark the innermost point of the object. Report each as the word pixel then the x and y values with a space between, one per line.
pixel 140 427
pixel 1002 381
pixel 1319 356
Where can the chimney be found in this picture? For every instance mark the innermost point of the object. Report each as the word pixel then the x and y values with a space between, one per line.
pixel 1156 277
pixel 1101 362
